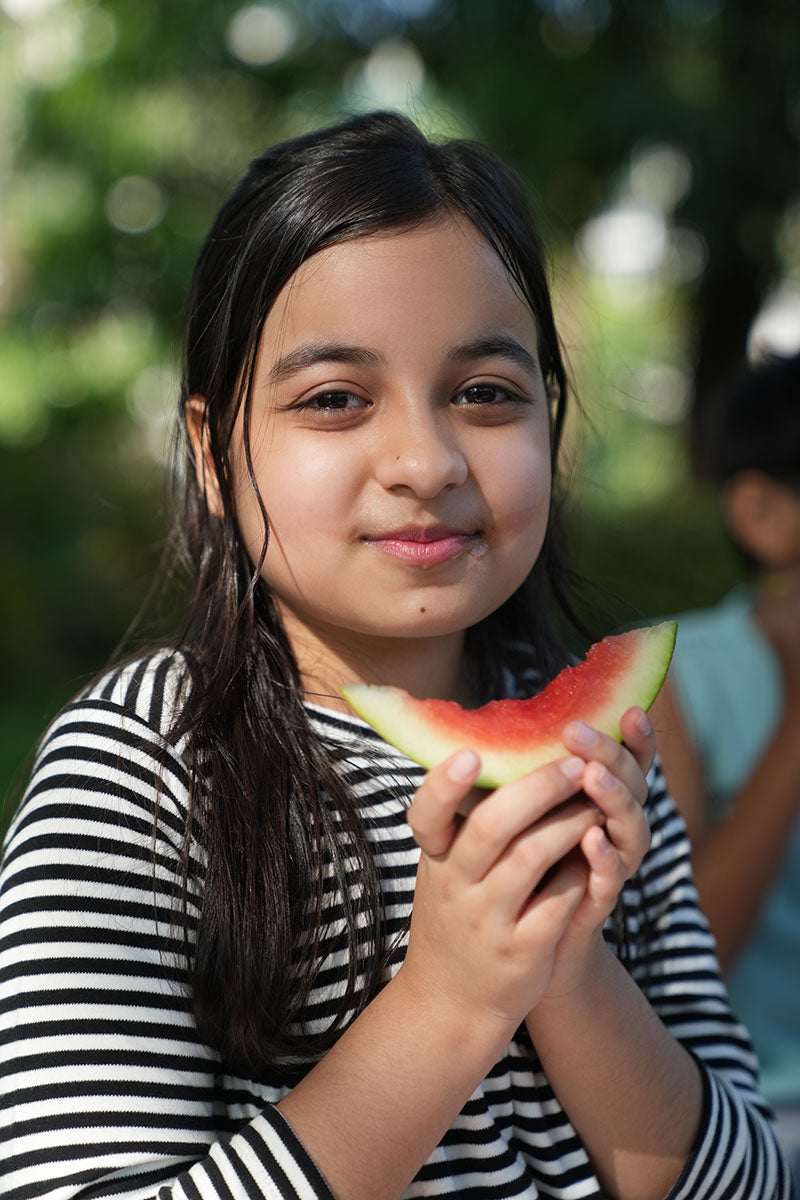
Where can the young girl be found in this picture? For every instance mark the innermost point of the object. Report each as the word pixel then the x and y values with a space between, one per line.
pixel 248 949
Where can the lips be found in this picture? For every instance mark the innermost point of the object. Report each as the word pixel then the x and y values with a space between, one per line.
pixel 427 545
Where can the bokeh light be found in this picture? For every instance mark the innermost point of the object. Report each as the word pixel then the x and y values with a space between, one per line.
pixel 261 33
pixel 135 204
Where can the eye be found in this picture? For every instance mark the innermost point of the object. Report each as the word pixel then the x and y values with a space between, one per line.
pixel 488 394
pixel 332 402
pixel 332 407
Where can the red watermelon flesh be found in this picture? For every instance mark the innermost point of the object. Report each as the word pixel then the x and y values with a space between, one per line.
pixel 514 737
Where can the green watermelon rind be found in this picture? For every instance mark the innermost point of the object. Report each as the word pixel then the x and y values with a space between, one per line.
pixel 404 723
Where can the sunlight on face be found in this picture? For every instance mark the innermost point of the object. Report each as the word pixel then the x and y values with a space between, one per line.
pixel 400 438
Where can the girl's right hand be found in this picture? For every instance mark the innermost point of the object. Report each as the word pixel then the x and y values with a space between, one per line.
pixel 496 889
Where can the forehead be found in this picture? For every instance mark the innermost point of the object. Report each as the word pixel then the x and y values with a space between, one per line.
pixel 437 277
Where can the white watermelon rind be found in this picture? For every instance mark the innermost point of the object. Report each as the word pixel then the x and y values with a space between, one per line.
pixel 400 719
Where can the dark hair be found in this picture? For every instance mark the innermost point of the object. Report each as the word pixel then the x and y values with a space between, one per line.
pixel 757 424
pixel 266 802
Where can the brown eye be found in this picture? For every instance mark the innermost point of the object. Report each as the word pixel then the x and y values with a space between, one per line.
pixel 333 400
pixel 330 403
pixel 488 393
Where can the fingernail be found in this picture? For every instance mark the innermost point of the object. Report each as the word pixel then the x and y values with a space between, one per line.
pixel 604 777
pixel 603 843
pixel 464 766
pixel 582 734
pixel 643 724
pixel 573 768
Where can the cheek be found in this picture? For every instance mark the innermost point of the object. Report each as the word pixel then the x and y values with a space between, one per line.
pixel 314 479
pixel 304 489
pixel 523 482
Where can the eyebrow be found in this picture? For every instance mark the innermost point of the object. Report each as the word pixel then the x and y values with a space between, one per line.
pixel 497 345
pixel 309 354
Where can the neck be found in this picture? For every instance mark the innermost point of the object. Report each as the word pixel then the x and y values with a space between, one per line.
pixel 426 667
pixel 775 583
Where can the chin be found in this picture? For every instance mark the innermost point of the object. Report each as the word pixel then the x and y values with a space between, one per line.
pixel 435 622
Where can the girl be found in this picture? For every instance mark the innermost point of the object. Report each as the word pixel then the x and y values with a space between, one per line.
pixel 215 983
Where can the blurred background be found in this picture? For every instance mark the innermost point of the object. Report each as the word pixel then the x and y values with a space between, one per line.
pixel 661 143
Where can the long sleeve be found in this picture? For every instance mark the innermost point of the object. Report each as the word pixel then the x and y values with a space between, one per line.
pixel 736 1155
pixel 106 1087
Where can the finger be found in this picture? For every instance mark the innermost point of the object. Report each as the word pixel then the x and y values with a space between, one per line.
pixel 639 736
pixel 504 814
pixel 607 871
pixel 593 746
pixel 433 814
pixel 551 908
pixel 535 854
pixel 625 822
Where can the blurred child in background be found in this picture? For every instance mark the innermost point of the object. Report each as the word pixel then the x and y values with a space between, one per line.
pixel 731 728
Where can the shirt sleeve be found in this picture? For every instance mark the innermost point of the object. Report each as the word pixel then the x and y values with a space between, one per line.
pixel 737 1155
pixel 106 1088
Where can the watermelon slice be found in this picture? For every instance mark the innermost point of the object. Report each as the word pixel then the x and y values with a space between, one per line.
pixel 514 737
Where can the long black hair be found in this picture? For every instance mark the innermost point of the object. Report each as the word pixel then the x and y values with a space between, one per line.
pixel 272 817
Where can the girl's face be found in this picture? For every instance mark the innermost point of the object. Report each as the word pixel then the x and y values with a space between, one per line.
pixel 400 438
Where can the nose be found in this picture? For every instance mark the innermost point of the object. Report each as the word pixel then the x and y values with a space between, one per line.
pixel 420 452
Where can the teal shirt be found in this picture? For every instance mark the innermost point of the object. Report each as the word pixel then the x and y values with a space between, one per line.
pixel 728 681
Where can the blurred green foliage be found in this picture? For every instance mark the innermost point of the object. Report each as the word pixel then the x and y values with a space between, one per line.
pixel 121 128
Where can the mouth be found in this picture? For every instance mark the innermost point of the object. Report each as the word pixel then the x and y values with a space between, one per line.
pixel 428 546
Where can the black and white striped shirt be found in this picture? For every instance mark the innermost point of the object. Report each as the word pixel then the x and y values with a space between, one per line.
pixel 106 1088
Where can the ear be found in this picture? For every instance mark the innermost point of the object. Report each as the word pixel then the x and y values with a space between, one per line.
pixel 763 515
pixel 198 432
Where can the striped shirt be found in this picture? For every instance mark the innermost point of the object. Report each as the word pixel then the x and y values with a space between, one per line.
pixel 107 1088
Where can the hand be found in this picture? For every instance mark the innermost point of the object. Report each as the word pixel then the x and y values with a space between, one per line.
pixel 496 889
pixel 611 851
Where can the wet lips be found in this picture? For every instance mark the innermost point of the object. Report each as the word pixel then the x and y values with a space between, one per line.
pixel 429 547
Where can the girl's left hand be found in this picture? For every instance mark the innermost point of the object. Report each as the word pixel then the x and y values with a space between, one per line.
pixel 614 780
